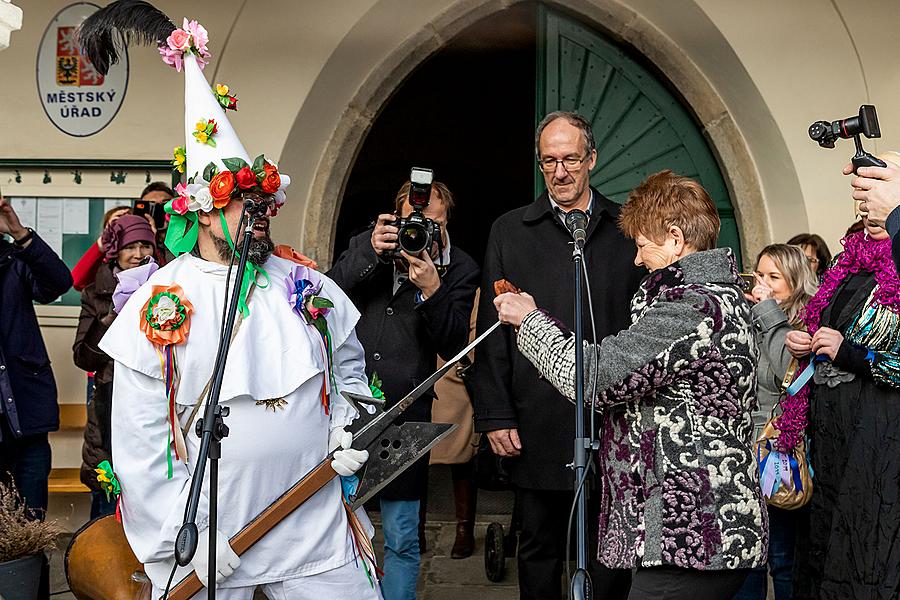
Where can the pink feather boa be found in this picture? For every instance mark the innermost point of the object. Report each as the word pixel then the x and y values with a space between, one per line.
pixel 861 254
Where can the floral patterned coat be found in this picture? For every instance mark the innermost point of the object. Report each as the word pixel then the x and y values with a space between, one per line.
pixel 677 389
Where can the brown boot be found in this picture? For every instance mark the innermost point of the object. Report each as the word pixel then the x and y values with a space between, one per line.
pixel 464 494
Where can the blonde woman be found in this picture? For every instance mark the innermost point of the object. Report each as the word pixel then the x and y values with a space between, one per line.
pixel 785 283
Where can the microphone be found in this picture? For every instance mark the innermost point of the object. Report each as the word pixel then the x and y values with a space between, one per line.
pixel 576 222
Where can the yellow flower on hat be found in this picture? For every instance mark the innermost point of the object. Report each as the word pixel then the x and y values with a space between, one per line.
pixel 201 135
pixel 201 125
pixel 221 89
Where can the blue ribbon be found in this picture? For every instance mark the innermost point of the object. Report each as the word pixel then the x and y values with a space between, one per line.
pixel 795 471
pixel 349 485
pixel 807 373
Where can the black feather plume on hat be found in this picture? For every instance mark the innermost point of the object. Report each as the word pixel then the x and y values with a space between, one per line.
pixel 132 21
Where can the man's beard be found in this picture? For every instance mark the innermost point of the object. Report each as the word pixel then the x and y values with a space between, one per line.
pixel 261 249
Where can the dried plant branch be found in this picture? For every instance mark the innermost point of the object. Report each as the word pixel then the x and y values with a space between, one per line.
pixel 20 534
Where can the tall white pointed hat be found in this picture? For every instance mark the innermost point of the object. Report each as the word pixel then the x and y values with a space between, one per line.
pixel 215 165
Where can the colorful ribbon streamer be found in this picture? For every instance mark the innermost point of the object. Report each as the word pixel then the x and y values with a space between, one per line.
pixel 250 271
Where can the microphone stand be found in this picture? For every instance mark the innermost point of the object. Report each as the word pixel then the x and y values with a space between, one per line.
pixel 212 429
pixel 580 587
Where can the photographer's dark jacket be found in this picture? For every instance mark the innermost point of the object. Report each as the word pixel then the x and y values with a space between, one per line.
pixel 531 248
pixel 95 318
pixel 32 274
pixel 402 337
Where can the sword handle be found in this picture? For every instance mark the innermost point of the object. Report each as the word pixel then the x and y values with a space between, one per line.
pixel 299 493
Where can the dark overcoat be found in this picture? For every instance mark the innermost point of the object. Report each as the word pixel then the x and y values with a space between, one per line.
pixel 32 274
pixel 530 247
pixel 96 317
pixel 403 337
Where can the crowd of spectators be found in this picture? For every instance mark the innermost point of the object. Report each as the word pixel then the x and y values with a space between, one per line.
pixel 691 345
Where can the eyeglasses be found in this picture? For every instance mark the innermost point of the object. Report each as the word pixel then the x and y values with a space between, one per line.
pixel 570 164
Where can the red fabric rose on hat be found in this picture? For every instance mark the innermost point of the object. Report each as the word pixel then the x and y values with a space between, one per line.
pixel 271 179
pixel 220 188
pixel 246 178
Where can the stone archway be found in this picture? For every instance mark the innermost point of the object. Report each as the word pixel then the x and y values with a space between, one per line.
pixel 322 205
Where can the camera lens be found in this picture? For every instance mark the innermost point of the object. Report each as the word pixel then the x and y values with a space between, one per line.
pixel 413 238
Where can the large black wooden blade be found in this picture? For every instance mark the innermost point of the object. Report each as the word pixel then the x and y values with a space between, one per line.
pixel 391 453
pixel 374 427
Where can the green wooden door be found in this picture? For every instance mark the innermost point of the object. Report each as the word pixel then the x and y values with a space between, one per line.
pixel 639 126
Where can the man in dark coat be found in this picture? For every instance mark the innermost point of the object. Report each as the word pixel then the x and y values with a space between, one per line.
pixel 29 272
pixel 523 416
pixel 410 315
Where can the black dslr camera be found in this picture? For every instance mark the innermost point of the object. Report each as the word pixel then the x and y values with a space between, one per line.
pixel 416 232
pixel 866 123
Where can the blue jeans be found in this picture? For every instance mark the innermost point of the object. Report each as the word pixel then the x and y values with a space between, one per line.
pixel 100 506
pixel 400 523
pixel 782 534
pixel 28 460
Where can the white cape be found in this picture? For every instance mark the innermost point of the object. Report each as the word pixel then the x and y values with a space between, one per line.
pixel 275 355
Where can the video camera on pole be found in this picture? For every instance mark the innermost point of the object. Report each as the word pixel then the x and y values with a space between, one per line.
pixel 865 123
pixel 416 233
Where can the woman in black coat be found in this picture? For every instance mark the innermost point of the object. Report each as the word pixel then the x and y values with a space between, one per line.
pixel 851 548
pixel 127 242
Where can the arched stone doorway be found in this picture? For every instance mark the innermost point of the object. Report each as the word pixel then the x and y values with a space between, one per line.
pixel 321 207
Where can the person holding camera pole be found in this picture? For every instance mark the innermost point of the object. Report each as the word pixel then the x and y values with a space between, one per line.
pixel 877 189
pixel 522 415
pixel 415 307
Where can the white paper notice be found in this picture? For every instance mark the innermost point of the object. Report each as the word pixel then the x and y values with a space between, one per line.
pixel 110 204
pixel 50 222
pixel 25 209
pixel 76 216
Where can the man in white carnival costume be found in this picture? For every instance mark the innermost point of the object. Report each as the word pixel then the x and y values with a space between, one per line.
pixel 281 384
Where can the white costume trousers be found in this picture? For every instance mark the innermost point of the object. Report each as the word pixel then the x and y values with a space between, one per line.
pixel 347 581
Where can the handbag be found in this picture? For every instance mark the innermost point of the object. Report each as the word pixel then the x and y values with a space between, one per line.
pixel 785 477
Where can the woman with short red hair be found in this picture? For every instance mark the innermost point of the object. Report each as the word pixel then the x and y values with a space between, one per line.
pixel 681 501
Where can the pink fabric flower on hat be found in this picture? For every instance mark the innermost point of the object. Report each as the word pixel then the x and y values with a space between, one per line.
pixel 180 205
pixel 173 58
pixel 192 37
pixel 179 40
pixel 199 34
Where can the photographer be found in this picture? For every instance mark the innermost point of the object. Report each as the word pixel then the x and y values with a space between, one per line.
pixel 878 191
pixel 411 314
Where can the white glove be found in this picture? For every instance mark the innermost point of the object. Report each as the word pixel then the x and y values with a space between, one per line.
pixel 346 461
pixel 226 559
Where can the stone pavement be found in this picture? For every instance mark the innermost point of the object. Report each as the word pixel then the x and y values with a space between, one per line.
pixel 440 578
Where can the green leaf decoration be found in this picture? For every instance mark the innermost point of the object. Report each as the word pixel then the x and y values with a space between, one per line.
pixel 234 164
pixel 210 171
pixel 321 325
pixel 320 302
pixel 375 387
pixel 181 235
pixel 258 163
pixel 211 142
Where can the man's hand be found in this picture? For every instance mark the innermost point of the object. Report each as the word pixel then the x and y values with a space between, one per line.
pixel 384 236
pixel 226 558
pixel 345 461
pixel 877 189
pixel 798 343
pixel 827 341
pixel 9 221
pixel 422 273
pixel 512 308
pixel 505 442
